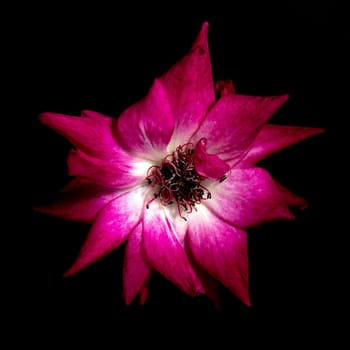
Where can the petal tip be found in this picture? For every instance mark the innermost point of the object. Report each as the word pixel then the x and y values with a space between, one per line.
pixel 201 41
pixel 276 101
pixel 76 267
pixel 282 98
pixel 40 209
pixel 127 298
pixel 45 117
pixel 205 26
pixel 70 272
pixel 143 295
pixel 318 131
pixel 247 302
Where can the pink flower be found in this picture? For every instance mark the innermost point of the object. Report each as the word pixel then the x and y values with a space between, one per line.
pixel 175 177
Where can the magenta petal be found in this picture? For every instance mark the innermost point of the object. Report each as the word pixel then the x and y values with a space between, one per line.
pixel 165 252
pixel 250 197
pixel 234 122
pixel 208 165
pixel 136 271
pixel 111 228
pixel 273 138
pixel 79 201
pixel 221 250
pixel 91 135
pixel 145 128
pixel 189 85
pixel 104 173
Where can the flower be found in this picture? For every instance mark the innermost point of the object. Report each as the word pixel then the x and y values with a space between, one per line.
pixel 175 176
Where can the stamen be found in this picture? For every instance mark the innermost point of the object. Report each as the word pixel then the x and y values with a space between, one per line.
pixel 150 201
pixel 176 180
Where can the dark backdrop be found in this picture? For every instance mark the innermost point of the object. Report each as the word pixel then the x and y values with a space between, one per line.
pixel 104 59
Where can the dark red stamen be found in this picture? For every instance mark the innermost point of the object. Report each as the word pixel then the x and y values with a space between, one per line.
pixel 177 181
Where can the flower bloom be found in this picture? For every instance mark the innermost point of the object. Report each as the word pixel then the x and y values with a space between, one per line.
pixel 175 177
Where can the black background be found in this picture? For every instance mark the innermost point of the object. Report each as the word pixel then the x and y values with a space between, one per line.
pixel 104 58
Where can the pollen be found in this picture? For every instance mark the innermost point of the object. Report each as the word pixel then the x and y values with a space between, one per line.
pixel 176 181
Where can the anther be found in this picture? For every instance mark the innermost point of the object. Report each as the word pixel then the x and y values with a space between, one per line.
pixel 223 178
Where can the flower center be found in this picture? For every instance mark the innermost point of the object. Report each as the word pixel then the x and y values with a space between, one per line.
pixel 176 181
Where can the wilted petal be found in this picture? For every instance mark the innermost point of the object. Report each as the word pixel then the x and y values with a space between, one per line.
pixel 224 87
pixel 111 228
pixel 165 252
pixel 221 250
pixel 208 165
pixel 116 175
pixel 234 122
pixel 91 135
pixel 273 138
pixel 189 85
pixel 79 201
pixel 250 197
pixel 136 271
pixel 145 128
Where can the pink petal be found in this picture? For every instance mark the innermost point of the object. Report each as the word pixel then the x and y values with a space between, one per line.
pixel 165 252
pixel 136 270
pixel 221 250
pixel 111 228
pixel 113 175
pixel 273 138
pixel 189 85
pixel 250 197
pixel 224 87
pixel 145 128
pixel 208 165
pixel 234 122
pixel 79 201
pixel 93 136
